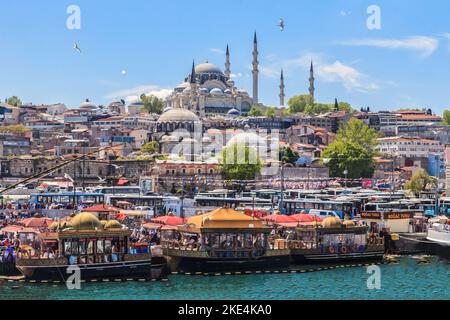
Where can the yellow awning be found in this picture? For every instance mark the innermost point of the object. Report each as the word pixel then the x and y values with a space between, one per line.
pixel 225 218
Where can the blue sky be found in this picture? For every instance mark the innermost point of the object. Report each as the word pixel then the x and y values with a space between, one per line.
pixel 406 63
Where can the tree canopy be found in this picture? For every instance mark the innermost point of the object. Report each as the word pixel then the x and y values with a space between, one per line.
pixel 420 182
pixel 14 101
pixel 353 150
pixel 346 155
pixel 152 104
pixel 358 132
pixel 446 117
pixel 255 112
pixel 270 113
pixel 17 129
pixel 287 155
pixel 240 162
pixel 150 147
pixel 298 103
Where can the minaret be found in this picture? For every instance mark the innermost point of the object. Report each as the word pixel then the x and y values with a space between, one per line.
pixel 282 89
pixel 311 83
pixel 192 79
pixel 255 71
pixel 227 64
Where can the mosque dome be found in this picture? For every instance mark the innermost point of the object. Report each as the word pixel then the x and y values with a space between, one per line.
pixel 207 68
pixel 206 140
pixel 204 90
pixel 187 90
pixel 178 115
pixel 169 139
pixel 233 112
pixel 331 222
pixel 86 221
pixel 88 105
pixel 216 92
pixel 248 139
pixel 227 91
pixel 137 103
pixel 167 109
pixel 183 85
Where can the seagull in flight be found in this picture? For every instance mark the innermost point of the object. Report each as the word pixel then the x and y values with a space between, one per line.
pixel 76 47
pixel 281 24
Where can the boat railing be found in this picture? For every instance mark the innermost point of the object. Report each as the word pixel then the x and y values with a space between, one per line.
pixel 215 252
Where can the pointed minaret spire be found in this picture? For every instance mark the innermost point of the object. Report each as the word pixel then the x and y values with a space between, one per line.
pixel 255 71
pixel 193 80
pixel 311 83
pixel 336 105
pixel 282 95
pixel 227 64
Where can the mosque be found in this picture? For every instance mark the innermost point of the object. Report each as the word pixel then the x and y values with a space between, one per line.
pixel 207 91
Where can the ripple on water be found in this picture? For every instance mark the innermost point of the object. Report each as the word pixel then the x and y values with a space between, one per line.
pixel 406 280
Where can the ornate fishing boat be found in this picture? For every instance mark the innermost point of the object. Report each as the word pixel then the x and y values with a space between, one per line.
pixel 333 241
pixel 100 249
pixel 221 240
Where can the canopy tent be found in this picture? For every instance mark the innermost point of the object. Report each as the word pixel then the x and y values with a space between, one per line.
pixel 102 208
pixel 302 217
pixel 169 220
pixel 152 226
pixel 279 218
pixel 224 218
pixel 37 222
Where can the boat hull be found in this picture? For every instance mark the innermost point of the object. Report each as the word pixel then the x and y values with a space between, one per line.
pixel 206 264
pixel 317 256
pixel 143 269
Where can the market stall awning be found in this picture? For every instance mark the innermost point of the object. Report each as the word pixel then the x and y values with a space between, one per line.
pixel 169 220
pixel 11 229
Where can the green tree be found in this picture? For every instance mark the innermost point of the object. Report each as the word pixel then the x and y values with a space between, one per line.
pixel 344 155
pixel 150 147
pixel 287 155
pixel 240 162
pixel 318 108
pixel 446 117
pixel 14 101
pixel 17 129
pixel 420 182
pixel 255 112
pixel 358 132
pixel 298 103
pixel 152 104
pixel 270 113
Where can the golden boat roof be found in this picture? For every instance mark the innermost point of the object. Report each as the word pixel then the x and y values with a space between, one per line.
pixel 225 218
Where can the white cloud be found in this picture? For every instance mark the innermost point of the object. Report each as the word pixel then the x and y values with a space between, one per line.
pixel 349 77
pixel 236 75
pixel 269 72
pixel 426 46
pixel 217 50
pixel 337 71
pixel 134 93
pixel 344 13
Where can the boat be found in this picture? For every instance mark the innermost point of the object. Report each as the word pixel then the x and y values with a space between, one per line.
pixel 221 240
pixel 100 249
pixel 439 231
pixel 332 241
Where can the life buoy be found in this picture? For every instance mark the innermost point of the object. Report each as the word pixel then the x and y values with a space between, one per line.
pixel 344 249
pixel 355 247
pixel 331 249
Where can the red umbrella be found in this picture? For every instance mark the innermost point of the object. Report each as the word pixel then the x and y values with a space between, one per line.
pixel 169 220
pixel 37 222
pixel 279 218
pixel 302 218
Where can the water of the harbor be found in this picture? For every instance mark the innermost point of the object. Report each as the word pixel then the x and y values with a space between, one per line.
pixel 406 280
